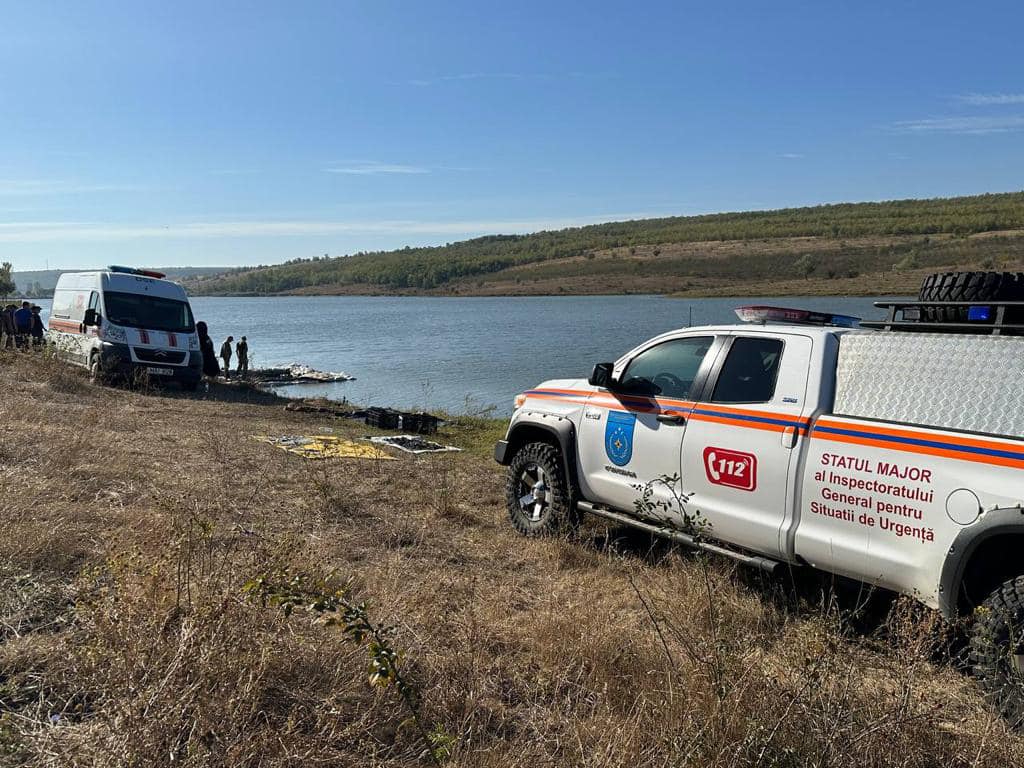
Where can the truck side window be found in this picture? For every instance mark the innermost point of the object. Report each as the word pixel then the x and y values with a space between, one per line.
pixel 749 372
pixel 668 369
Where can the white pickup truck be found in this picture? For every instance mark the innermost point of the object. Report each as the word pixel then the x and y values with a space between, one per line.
pixel 893 456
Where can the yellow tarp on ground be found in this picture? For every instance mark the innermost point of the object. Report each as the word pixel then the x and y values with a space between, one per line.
pixel 324 447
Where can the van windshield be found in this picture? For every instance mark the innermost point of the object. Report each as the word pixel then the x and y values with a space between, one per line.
pixel 151 312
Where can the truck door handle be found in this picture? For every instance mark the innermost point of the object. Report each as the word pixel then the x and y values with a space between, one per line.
pixel 789 435
pixel 671 418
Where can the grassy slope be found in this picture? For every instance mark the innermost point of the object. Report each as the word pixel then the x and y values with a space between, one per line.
pixel 856 248
pixel 132 522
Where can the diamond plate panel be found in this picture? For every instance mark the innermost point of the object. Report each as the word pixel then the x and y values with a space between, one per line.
pixel 973 383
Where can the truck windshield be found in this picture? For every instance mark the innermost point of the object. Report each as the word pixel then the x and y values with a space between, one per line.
pixel 151 312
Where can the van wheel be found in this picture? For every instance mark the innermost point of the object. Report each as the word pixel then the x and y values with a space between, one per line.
pixel 95 372
pixel 997 649
pixel 537 495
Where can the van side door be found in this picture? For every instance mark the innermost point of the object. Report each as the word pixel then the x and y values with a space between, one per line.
pixel 740 453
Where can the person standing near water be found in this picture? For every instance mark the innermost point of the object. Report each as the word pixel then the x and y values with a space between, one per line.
pixel 242 350
pixel 225 355
pixel 38 330
pixel 23 323
pixel 210 366
pixel 7 327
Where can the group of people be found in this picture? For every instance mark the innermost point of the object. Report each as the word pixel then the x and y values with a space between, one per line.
pixel 211 367
pixel 21 327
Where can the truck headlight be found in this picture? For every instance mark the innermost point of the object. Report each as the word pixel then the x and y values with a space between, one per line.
pixel 518 402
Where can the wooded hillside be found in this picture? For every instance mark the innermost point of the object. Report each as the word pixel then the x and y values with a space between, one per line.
pixel 896 227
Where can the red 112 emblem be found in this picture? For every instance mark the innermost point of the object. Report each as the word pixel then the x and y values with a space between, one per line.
pixel 734 469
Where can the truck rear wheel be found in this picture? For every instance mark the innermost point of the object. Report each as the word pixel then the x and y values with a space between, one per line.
pixel 997 649
pixel 537 495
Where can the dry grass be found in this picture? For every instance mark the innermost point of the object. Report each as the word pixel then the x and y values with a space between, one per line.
pixel 132 522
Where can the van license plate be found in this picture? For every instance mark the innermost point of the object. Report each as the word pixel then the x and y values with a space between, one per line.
pixel 160 371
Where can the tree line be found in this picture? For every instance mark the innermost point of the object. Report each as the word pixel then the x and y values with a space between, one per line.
pixel 431 267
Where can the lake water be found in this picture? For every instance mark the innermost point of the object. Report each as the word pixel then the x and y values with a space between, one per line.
pixel 459 353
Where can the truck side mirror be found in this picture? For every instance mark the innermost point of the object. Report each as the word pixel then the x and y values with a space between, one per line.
pixel 601 376
pixel 90 318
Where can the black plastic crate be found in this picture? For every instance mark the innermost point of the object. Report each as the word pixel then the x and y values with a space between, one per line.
pixel 383 418
pixel 419 423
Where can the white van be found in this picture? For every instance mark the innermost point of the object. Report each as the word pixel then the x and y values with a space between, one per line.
pixel 123 322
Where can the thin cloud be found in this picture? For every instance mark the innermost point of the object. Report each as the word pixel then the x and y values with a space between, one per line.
pixel 375 169
pixel 792 156
pixel 30 187
pixel 422 82
pixel 991 99
pixel 77 231
pixel 976 125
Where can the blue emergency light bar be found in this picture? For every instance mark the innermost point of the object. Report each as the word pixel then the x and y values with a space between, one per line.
pixel 761 314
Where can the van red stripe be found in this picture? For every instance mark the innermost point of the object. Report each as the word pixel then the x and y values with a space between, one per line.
pixel 172 340
pixel 68 326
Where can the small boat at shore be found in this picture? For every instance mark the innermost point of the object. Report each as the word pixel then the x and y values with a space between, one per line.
pixel 295 374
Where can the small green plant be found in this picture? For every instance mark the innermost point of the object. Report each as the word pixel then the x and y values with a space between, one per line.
pixel 672 512
pixel 330 604
pixel 670 509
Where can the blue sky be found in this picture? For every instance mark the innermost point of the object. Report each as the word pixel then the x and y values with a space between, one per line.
pixel 254 132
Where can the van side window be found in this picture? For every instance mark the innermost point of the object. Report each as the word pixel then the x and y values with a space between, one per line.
pixel 61 307
pixel 668 369
pixel 749 372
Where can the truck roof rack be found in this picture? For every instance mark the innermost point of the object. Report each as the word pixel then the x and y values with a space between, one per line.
pixel 988 318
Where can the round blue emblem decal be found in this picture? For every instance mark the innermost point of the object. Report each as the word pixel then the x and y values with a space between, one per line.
pixel 618 437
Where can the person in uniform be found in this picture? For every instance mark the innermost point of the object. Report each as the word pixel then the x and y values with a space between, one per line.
pixel 225 355
pixel 23 323
pixel 7 327
pixel 210 366
pixel 38 330
pixel 242 350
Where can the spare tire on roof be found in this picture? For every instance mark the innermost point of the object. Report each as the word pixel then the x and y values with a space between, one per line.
pixel 975 287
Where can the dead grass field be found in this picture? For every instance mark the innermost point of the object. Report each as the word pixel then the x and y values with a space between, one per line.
pixel 133 521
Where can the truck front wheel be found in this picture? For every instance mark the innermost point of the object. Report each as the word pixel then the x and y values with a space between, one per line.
pixel 537 495
pixel 997 649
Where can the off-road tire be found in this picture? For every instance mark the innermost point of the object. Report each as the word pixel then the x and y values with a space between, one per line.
pixel 558 515
pixel 998 632
pixel 967 286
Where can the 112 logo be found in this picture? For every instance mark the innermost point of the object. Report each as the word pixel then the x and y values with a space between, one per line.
pixel 733 469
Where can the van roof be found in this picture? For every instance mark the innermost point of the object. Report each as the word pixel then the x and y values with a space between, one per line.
pixel 123 282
